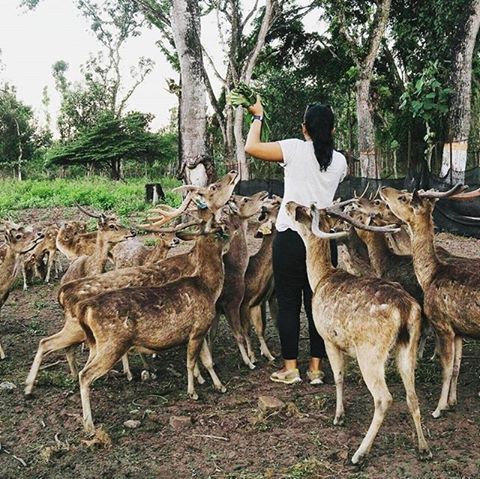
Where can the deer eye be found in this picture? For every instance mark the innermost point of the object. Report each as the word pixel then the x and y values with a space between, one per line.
pixel 112 227
pixel 378 202
pixel 213 187
pixel 403 199
pixel 18 236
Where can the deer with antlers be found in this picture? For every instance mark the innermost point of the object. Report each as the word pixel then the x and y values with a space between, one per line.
pixel 451 289
pixel 363 317
pixel 259 278
pixel 210 200
pixel 109 233
pixel 152 319
pixel 18 242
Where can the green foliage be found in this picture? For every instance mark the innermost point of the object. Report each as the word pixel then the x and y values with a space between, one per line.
pixel 124 198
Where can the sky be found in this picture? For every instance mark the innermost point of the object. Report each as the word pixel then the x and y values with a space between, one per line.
pixel 32 41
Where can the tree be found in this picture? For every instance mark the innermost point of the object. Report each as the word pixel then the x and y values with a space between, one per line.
pixel 455 150
pixel 109 141
pixel 17 130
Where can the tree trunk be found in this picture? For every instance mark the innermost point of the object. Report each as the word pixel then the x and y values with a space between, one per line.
pixel 195 161
pixel 229 146
pixel 20 151
pixel 460 102
pixel 242 165
pixel 366 132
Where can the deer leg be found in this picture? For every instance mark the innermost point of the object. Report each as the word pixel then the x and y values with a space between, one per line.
pixel 193 350
pixel 232 312
pixel 72 363
pixel 50 261
pixel 24 275
pixel 337 363
pixel 197 374
pixel 452 397
pixel 258 324
pixel 273 307
pixel 406 362
pixel 206 358
pixel 63 339
pixel 446 346
pixel 103 361
pixel 126 367
pixel 2 352
pixel 372 367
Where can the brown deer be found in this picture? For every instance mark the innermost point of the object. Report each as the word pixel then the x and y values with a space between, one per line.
pixel 18 242
pixel 451 289
pixel 211 199
pixel 135 253
pixel 363 317
pixel 109 233
pixel 34 266
pixel 73 240
pixel 236 263
pixel 259 278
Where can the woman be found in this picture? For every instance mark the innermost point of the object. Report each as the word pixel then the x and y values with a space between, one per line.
pixel 313 170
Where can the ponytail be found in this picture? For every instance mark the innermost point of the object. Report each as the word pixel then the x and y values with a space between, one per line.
pixel 319 121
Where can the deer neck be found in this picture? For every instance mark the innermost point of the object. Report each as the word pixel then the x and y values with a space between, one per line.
pixel 379 253
pixel 210 264
pixel 319 261
pixel 237 256
pixel 9 268
pixel 425 260
pixel 98 260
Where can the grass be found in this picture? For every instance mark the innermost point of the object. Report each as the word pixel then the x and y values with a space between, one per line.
pixel 98 192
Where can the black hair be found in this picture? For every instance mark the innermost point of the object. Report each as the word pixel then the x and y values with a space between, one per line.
pixel 318 121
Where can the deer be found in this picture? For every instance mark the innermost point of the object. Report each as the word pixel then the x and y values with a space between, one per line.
pixel 210 200
pixel 135 253
pixel 153 319
pixel 451 288
pixel 33 264
pixel 236 263
pixel 109 233
pixel 363 317
pixel 73 240
pixel 259 278
pixel 19 241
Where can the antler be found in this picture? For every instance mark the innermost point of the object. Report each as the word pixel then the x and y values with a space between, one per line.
pixel 364 192
pixel 466 196
pixel 92 215
pixel 182 226
pixel 357 224
pixel 316 228
pixel 167 216
pixel 458 188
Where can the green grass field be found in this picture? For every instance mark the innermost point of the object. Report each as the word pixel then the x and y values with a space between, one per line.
pixel 100 193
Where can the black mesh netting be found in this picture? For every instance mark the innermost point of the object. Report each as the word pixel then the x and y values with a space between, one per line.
pixel 459 217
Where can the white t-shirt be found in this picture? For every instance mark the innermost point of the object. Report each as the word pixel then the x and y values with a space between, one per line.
pixel 304 182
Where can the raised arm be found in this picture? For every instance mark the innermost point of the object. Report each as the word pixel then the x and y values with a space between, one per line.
pixel 263 151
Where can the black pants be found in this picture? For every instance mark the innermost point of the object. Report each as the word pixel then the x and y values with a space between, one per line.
pixel 291 283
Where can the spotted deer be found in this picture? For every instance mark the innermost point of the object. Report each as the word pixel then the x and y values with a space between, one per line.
pixel 73 240
pixel 451 288
pixel 259 278
pixel 210 199
pixel 363 317
pixel 19 241
pixel 135 253
pixel 109 233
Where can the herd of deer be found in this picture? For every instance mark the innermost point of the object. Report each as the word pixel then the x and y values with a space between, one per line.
pixel 395 287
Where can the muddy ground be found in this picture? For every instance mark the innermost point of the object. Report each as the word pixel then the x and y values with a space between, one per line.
pixel 228 437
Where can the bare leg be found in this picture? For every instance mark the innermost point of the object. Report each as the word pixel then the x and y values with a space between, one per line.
pixel 206 358
pixel 452 397
pixel 446 345
pixel 337 363
pixel 406 362
pixel 373 371
pixel 66 337
pixel 99 366
pixel 258 324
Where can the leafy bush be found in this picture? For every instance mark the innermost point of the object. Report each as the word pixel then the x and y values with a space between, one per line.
pixel 124 198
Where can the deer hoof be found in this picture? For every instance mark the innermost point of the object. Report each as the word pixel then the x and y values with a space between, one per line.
pixel 339 420
pixel 437 413
pixel 425 454
pixel 251 365
pixel 146 375
pixel 358 458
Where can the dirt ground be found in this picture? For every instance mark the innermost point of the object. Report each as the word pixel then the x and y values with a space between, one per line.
pixel 228 437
